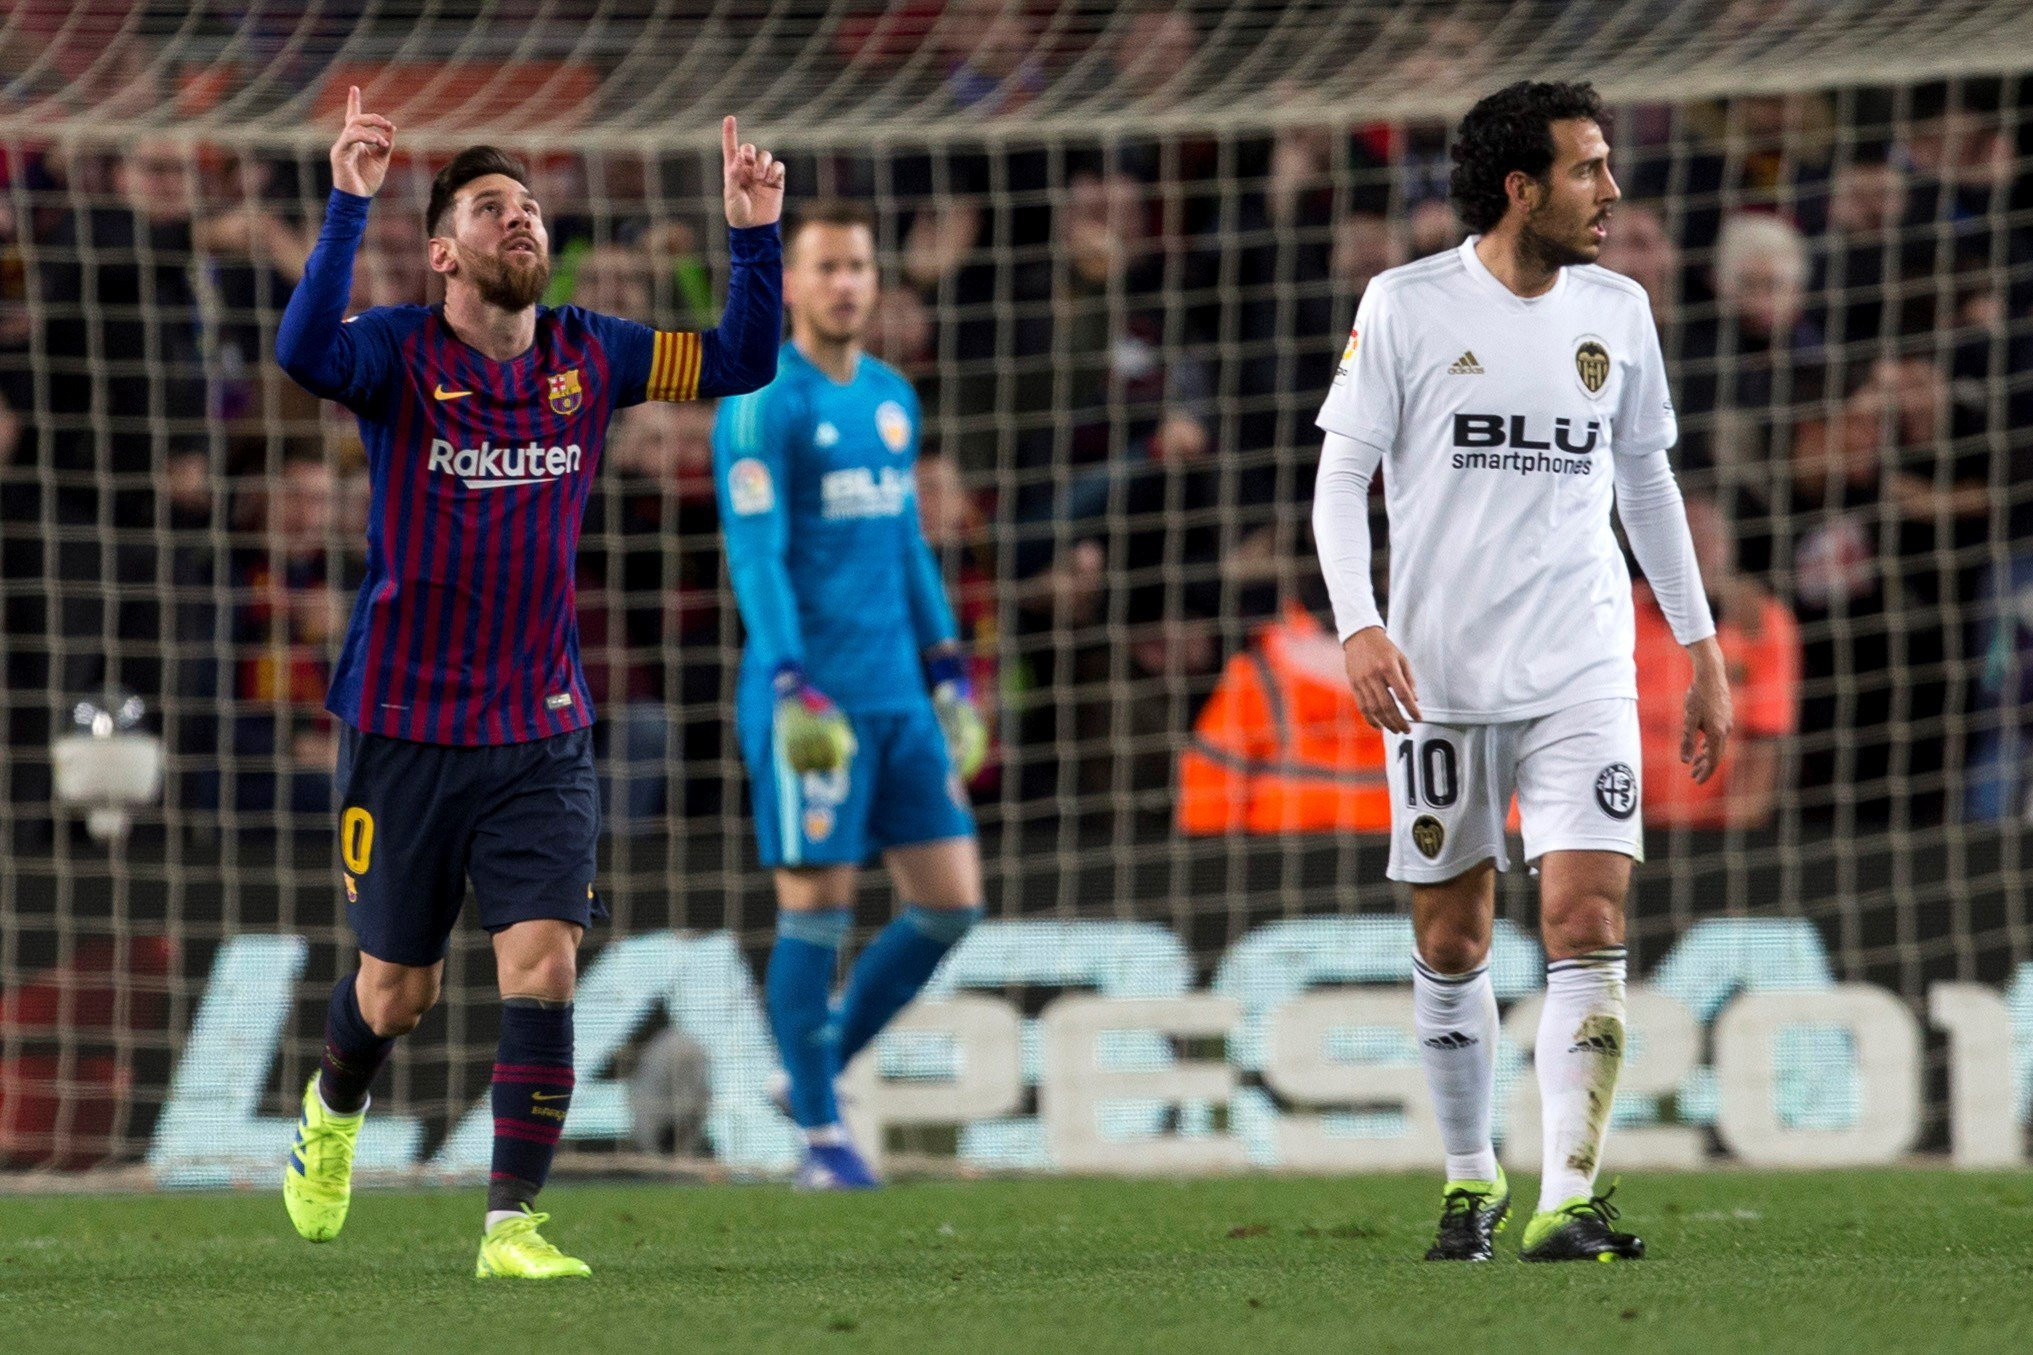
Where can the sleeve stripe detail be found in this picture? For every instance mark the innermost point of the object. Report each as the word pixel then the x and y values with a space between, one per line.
pixel 675 358
pixel 664 366
pixel 693 353
pixel 662 350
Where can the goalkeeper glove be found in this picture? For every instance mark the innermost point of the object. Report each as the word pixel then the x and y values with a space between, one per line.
pixel 815 734
pixel 959 720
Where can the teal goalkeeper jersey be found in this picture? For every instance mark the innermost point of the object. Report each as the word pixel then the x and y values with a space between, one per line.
pixel 819 504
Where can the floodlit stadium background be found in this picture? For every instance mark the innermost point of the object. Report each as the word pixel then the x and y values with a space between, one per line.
pixel 1122 247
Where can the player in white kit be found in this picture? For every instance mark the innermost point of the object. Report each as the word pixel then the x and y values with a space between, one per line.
pixel 1511 391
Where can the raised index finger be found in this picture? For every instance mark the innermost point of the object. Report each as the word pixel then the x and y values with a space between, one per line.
pixel 352 102
pixel 730 144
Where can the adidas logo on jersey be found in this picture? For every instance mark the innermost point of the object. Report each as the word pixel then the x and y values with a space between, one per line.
pixel 1465 365
pixel 1453 1039
pixel 491 467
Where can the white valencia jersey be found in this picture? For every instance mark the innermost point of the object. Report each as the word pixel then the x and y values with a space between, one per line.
pixel 1496 417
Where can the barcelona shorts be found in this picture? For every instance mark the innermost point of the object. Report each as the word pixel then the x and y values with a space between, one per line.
pixel 899 790
pixel 418 820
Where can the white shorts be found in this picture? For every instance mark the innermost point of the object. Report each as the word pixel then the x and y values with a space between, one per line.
pixel 1575 772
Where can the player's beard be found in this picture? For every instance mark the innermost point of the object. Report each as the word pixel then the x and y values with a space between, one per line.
pixel 1559 250
pixel 505 281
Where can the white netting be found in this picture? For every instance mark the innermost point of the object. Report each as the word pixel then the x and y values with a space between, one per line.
pixel 1124 244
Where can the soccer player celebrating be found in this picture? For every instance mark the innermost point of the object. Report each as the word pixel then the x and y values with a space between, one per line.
pixel 1505 387
pixel 466 751
pixel 853 708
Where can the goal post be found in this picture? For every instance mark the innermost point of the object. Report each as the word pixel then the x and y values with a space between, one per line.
pixel 1122 246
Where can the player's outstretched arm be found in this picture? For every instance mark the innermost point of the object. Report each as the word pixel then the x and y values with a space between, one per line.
pixel 739 354
pixel 311 342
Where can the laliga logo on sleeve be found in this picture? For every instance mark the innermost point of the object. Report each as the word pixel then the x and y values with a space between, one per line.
pixel 1348 354
pixel 749 488
pixel 894 425
pixel 566 396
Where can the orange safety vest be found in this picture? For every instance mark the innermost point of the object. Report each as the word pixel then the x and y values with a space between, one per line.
pixel 1281 746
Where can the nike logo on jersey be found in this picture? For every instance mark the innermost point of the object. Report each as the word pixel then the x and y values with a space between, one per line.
pixel 1465 365
pixel 444 394
pixel 548 1096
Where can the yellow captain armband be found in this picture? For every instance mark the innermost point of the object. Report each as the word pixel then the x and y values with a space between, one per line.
pixel 674 363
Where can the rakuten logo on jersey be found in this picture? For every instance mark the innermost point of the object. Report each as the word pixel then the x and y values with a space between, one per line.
pixel 490 467
pixel 859 492
pixel 1486 433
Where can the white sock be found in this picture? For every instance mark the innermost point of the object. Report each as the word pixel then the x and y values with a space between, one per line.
pixel 1580 1052
pixel 343 1114
pixel 495 1216
pixel 1455 1017
pixel 826 1136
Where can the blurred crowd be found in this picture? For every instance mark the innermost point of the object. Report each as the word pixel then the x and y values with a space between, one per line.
pixel 1120 344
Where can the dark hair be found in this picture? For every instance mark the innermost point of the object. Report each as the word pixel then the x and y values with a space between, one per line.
pixel 830 212
pixel 1511 129
pixel 475 162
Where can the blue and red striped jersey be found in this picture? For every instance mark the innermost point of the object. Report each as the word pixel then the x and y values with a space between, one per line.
pixel 466 628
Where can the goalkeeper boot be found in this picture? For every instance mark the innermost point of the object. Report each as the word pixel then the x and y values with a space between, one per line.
pixel 779 1091
pixel 317 1181
pixel 1579 1230
pixel 514 1249
pixel 1472 1213
pixel 834 1166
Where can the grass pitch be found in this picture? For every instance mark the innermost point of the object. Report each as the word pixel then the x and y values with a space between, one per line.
pixel 1891 1261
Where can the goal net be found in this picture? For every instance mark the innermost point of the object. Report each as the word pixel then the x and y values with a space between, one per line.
pixel 1122 246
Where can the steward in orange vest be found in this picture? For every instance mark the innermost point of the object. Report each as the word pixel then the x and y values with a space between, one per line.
pixel 1281 746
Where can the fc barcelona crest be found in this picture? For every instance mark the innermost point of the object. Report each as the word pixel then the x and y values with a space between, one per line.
pixel 1591 362
pixel 565 393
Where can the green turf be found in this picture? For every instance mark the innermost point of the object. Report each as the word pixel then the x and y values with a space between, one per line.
pixel 1894 1261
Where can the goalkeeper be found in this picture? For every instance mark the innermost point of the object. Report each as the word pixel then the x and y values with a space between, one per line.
pixel 853 706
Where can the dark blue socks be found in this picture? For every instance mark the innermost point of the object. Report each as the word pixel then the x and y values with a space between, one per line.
pixel 532 1093
pixel 353 1052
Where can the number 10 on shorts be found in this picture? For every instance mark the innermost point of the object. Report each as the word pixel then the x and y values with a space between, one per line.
pixel 1430 771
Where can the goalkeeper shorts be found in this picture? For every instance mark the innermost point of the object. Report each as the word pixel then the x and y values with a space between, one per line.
pixel 899 790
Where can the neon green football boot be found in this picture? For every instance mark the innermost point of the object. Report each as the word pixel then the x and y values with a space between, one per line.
pixel 1472 1213
pixel 1579 1230
pixel 514 1249
pixel 317 1181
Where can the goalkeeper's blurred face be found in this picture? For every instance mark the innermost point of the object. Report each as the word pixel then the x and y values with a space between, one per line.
pixel 830 281
pixel 1567 218
pixel 495 242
